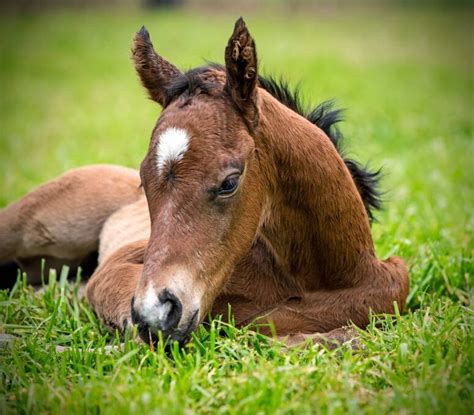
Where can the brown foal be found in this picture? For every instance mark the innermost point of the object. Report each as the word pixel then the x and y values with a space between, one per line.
pixel 246 202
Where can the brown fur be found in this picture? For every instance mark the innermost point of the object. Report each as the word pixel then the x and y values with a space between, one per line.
pixel 131 223
pixel 112 286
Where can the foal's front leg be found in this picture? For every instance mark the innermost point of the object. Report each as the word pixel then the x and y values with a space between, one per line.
pixel 323 316
pixel 112 286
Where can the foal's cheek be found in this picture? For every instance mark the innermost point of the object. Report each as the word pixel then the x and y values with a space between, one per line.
pixel 211 290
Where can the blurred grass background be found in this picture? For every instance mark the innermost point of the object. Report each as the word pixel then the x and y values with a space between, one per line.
pixel 403 70
pixel 70 96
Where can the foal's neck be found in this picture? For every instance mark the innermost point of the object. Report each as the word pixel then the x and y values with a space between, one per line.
pixel 314 219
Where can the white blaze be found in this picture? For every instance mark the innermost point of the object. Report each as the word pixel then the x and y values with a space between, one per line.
pixel 172 145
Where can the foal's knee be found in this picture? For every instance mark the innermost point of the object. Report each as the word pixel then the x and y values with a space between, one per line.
pixel 398 281
pixel 391 286
pixel 381 285
pixel 112 286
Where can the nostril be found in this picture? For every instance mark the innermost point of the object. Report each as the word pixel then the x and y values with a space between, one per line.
pixel 156 313
pixel 164 310
pixel 170 309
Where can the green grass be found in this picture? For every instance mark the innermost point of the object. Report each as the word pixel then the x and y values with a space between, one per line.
pixel 69 97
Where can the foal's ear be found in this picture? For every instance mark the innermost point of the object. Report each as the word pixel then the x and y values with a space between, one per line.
pixel 154 71
pixel 241 68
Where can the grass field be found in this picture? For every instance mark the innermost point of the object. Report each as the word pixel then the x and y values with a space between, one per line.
pixel 69 97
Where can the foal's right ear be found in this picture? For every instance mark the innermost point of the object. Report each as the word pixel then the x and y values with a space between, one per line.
pixel 241 70
pixel 155 72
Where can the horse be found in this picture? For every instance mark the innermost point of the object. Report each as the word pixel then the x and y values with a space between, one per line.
pixel 243 199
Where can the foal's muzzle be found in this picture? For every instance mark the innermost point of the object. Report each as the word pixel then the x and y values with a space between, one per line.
pixel 163 314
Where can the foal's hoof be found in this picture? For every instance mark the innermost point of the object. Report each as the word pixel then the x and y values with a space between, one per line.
pixel 332 340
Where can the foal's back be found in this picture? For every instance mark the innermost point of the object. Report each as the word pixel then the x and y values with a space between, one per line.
pixel 61 220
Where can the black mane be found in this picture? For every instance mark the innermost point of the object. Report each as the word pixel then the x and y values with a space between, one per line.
pixel 324 116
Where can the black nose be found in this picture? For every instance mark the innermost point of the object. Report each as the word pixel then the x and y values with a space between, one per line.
pixel 164 316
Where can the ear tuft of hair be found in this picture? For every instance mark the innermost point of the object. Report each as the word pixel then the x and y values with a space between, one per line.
pixel 241 50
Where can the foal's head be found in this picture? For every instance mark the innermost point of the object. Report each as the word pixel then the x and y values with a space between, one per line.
pixel 201 182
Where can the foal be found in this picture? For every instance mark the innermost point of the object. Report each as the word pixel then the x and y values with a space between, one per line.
pixel 248 203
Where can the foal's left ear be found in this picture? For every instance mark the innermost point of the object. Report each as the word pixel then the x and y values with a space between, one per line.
pixel 155 72
pixel 241 69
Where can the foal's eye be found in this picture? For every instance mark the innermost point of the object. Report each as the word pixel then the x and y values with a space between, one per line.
pixel 229 185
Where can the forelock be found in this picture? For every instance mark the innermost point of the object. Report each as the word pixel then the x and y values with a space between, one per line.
pixel 203 80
